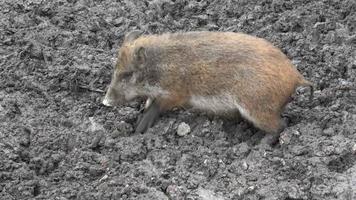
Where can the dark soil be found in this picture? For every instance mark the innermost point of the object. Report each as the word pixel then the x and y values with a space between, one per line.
pixel 58 142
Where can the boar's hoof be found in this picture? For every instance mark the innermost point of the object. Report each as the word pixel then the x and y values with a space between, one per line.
pixel 270 139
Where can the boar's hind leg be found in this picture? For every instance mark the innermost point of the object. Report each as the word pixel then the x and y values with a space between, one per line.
pixel 148 118
pixel 273 125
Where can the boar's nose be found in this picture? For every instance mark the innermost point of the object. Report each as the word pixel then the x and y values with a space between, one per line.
pixel 106 102
pixel 108 99
pixel 114 96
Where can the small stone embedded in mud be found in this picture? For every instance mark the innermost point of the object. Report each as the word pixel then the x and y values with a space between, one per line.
pixel 90 57
pixel 57 157
pixel 25 140
pixel 194 181
pixel 95 126
pixel 299 150
pixel 96 171
pixel 99 136
pixel 251 188
pixel 244 165
pixel 105 177
pixel 67 123
pixel 115 134
pixel 239 150
pixel 110 142
pixel 175 192
pixel 287 136
pixel 243 148
pixel 296 133
pixel 183 129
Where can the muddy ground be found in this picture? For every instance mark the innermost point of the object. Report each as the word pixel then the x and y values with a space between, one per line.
pixel 58 142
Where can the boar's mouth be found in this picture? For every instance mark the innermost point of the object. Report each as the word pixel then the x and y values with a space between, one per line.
pixel 113 97
pixel 119 95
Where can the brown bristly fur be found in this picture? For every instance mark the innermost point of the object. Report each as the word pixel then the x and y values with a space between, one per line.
pixel 212 67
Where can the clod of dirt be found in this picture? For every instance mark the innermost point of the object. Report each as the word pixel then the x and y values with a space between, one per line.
pixel 95 143
pixel 329 131
pixel 175 192
pixel 26 138
pixel 123 129
pixel 183 129
pixel 94 125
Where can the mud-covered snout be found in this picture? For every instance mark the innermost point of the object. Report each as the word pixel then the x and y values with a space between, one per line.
pixel 113 97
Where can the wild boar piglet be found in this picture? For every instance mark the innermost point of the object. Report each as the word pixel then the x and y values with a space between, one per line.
pixel 219 72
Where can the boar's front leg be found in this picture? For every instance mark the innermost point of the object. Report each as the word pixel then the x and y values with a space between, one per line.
pixel 154 107
pixel 148 118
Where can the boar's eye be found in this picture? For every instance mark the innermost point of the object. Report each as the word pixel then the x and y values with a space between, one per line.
pixel 125 75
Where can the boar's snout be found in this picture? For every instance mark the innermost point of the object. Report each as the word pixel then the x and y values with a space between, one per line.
pixel 112 97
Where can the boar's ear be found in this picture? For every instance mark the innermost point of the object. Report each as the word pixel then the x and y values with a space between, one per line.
pixel 133 35
pixel 140 55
